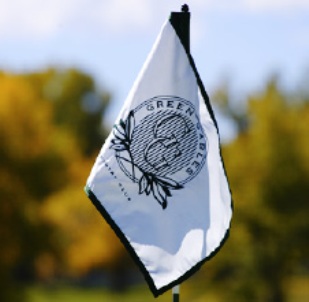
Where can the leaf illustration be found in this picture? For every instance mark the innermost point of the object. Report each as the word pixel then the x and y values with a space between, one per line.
pixel 159 195
pixel 159 186
pixel 130 124
pixel 123 158
pixel 169 183
pixel 119 147
pixel 119 136
pixel 117 141
pixel 143 183
pixel 119 133
pixel 122 124
pixel 167 191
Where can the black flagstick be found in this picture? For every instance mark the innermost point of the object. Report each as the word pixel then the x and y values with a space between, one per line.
pixel 175 291
pixel 181 23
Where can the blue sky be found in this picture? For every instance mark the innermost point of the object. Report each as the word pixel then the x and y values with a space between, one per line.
pixel 243 40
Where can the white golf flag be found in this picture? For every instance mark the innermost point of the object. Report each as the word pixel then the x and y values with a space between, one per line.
pixel 159 178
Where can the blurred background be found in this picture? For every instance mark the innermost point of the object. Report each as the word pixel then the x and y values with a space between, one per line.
pixel 65 70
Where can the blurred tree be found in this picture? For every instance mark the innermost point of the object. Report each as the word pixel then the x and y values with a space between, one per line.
pixel 29 164
pixel 230 108
pixel 268 169
pixel 50 131
pixel 78 105
pixel 86 240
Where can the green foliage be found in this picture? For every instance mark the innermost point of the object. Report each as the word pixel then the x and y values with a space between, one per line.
pixel 77 105
pixel 268 169
pixel 68 294
pixel 50 133
pixel 189 291
pixel 45 142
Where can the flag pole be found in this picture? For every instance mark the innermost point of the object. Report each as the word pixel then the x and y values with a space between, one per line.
pixel 181 24
pixel 175 292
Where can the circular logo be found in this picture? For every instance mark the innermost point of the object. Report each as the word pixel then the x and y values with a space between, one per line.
pixel 162 142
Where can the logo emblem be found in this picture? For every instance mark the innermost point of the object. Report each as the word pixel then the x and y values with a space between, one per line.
pixel 161 146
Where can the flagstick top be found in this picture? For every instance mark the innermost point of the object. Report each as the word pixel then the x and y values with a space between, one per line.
pixel 185 8
pixel 181 23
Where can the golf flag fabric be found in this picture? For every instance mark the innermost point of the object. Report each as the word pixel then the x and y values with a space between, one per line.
pixel 159 179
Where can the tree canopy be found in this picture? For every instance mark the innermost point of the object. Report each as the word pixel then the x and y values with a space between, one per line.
pixel 51 130
pixel 268 168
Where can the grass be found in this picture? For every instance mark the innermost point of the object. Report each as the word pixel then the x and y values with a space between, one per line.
pixel 135 294
pixel 298 291
pixel 68 294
